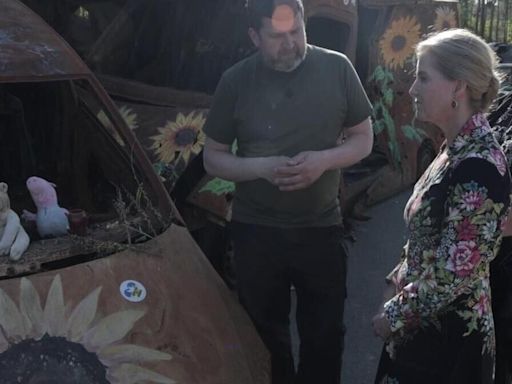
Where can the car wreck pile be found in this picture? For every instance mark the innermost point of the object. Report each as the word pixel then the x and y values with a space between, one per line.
pixel 128 297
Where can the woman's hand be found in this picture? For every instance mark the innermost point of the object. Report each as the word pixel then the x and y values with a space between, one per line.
pixel 389 292
pixel 380 322
pixel 381 326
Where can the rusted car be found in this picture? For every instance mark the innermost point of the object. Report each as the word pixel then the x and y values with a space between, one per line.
pixel 160 60
pixel 131 300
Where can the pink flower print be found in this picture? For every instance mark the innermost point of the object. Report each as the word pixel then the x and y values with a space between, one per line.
pixel 463 258
pixel 477 120
pixel 412 320
pixel 412 206
pixel 482 307
pixel 459 142
pixel 410 290
pixel 499 160
pixel 427 282
pixel 505 220
pixel 465 230
pixel 472 200
pixel 470 125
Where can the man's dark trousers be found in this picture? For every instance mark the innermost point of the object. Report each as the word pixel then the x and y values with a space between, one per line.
pixel 268 260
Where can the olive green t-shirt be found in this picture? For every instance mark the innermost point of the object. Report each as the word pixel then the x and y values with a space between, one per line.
pixel 284 113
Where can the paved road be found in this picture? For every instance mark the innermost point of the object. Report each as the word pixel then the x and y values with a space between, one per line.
pixel 374 254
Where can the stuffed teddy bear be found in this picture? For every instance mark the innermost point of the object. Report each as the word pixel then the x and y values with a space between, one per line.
pixel 13 238
pixel 51 220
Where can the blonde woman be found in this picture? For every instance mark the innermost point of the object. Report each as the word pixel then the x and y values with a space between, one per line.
pixel 437 320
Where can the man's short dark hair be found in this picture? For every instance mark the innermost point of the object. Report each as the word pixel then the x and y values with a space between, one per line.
pixel 258 9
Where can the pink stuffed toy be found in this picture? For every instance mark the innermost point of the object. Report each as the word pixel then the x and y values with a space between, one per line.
pixel 51 220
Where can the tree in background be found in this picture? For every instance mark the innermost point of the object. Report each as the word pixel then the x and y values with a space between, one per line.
pixel 488 18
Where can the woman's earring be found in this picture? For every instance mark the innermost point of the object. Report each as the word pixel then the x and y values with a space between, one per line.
pixel 454 104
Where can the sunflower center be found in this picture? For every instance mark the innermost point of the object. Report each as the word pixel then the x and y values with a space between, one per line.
pixel 51 360
pixel 398 43
pixel 186 136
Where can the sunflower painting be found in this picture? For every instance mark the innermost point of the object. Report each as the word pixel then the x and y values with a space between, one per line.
pixel 128 116
pixel 180 138
pixel 398 42
pixel 445 19
pixel 51 345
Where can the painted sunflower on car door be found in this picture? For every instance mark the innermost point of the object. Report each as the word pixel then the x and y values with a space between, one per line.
pixel 67 344
pixel 181 138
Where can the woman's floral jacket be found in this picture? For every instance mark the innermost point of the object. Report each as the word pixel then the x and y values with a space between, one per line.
pixel 453 218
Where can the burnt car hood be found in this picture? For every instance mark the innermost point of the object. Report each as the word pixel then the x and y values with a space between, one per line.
pixel 156 312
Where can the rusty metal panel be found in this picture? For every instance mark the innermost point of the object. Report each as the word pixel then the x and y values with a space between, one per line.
pixel 154 313
pixel 154 95
pixel 30 49
pixel 341 11
pixel 345 5
pixel 171 137
pixel 384 3
pixel 393 53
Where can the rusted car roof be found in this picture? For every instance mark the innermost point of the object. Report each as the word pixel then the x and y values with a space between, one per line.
pixel 30 49
pixel 378 3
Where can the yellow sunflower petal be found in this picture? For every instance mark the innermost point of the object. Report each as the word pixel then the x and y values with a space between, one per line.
pixel 445 19
pixel 398 42
pixel 197 147
pixel 103 118
pixel 132 374
pixel 111 329
pixel 164 145
pixel 83 315
pixel 129 353
pixel 181 120
pixel 168 128
pixel 129 117
pixel 54 310
pixel 198 121
pixel 185 154
pixel 30 306
pixel 11 318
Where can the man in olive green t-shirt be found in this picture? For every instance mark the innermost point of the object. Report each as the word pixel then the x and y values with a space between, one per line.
pixel 298 114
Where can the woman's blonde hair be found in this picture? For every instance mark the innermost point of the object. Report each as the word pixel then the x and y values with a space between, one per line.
pixel 461 55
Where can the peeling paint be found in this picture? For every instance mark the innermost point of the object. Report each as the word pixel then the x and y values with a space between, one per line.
pixel 28 48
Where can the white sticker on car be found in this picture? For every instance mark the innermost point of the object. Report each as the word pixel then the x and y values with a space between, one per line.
pixel 133 291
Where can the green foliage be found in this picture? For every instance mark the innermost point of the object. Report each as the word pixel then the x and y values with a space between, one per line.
pixel 388 97
pixel 413 133
pixel 494 15
pixel 382 75
pixel 378 126
pixel 218 187
pixel 382 119
pixel 395 151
